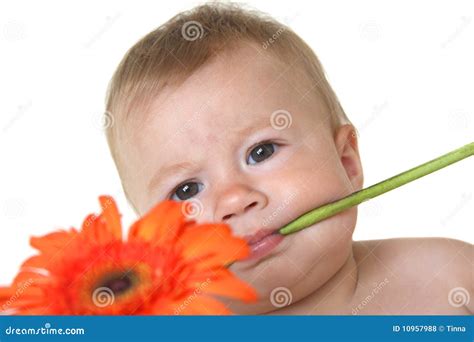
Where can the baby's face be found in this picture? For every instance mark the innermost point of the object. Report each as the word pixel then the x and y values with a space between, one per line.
pixel 243 166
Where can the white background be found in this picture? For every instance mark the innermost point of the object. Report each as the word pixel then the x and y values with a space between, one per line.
pixel 403 72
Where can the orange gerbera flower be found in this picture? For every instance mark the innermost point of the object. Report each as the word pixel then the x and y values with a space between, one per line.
pixel 168 265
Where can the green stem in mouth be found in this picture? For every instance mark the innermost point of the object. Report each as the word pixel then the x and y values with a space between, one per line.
pixel 375 190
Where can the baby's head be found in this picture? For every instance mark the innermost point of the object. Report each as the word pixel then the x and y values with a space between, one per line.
pixel 231 111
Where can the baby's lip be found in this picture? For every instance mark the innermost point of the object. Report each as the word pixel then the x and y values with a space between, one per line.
pixel 259 235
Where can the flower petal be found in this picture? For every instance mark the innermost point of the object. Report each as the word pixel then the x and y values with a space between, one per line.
pixel 228 285
pixel 53 243
pixel 17 297
pixel 95 231
pixel 36 261
pixel 111 216
pixel 213 244
pixel 6 293
pixel 160 225
pixel 27 277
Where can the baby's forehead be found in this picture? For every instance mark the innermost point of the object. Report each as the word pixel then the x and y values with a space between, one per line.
pixel 213 100
pixel 208 124
pixel 241 79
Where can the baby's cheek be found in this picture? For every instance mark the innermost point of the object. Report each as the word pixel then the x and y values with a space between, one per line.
pixel 318 187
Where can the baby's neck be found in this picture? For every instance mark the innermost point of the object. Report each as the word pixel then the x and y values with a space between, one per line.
pixel 335 296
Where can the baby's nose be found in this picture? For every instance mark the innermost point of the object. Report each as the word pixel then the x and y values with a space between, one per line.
pixel 238 201
pixel 228 216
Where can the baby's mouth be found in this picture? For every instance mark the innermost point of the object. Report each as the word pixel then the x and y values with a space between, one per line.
pixel 259 235
pixel 263 242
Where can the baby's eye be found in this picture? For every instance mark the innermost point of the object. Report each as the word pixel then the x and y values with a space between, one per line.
pixel 186 191
pixel 261 152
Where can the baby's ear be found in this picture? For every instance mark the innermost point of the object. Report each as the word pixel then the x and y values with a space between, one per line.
pixel 348 150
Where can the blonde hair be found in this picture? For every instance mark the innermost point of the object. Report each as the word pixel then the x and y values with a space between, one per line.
pixel 173 51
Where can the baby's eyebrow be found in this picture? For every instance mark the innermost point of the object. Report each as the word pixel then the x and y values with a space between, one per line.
pixel 165 171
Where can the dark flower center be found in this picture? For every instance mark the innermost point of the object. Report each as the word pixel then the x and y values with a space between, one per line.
pixel 118 284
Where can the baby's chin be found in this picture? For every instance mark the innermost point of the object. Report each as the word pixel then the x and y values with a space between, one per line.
pixel 303 261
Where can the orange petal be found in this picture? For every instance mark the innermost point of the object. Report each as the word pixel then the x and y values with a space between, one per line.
pixel 35 311
pixel 111 216
pixel 6 295
pixel 28 299
pixel 28 277
pixel 19 296
pixel 160 225
pixel 228 285
pixel 36 261
pixel 95 231
pixel 214 242
pixel 53 243
pixel 6 292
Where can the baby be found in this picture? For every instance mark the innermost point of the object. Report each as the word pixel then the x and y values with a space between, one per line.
pixel 230 111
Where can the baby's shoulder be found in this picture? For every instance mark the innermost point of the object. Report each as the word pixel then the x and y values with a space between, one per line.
pixel 428 266
pixel 419 256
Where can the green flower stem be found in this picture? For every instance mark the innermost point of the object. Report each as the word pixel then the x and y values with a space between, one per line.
pixel 375 190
